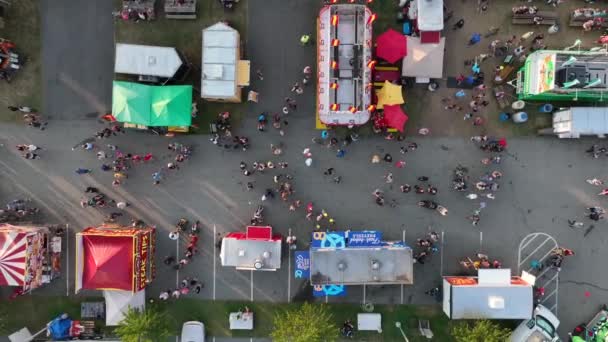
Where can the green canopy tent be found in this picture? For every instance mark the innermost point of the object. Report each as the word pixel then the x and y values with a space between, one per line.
pixel 153 106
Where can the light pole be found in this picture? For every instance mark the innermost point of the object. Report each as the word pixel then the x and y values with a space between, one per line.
pixel 398 325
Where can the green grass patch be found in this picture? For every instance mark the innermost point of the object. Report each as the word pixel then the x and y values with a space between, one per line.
pixel 35 311
pixel 22 27
pixel 186 36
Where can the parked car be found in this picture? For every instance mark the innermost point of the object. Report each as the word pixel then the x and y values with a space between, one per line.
pixel 193 331
pixel 542 327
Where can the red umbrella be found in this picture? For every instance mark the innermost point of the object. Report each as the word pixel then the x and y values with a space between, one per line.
pixel 391 46
pixel 395 117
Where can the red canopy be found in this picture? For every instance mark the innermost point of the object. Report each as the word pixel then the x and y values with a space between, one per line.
pixel 108 262
pixel 395 117
pixel 391 46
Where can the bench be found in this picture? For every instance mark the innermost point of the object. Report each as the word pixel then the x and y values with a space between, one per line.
pixel 424 326
pixel 549 18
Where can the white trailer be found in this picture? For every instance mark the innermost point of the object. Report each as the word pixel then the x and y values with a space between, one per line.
pixel 580 121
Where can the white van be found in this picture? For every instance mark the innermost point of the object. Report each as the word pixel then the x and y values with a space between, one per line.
pixel 542 327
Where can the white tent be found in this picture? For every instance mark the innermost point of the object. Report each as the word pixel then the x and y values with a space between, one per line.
pixel 423 60
pixel 118 302
pixel 146 60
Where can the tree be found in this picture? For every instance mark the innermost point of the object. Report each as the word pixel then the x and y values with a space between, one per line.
pixel 480 331
pixel 149 325
pixel 308 323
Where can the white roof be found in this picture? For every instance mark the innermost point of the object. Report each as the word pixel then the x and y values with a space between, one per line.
pixel 147 60
pixel 430 15
pixel 423 60
pixel 244 254
pixel 582 121
pixel 118 302
pixel 220 49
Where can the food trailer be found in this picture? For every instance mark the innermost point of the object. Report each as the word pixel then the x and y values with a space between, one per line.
pixel 575 122
pixel 119 261
pixel 256 249
pixel 493 294
pixel 30 256
pixel 223 73
pixel 153 64
pixel 429 19
pixel 344 65
pixel 340 258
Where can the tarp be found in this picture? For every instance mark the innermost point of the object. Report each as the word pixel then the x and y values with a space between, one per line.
pixel 391 46
pixel 152 105
pixel 59 329
pixel 389 94
pixel 118 302
pixel 395 117
pixel 146 60
pixel 108 262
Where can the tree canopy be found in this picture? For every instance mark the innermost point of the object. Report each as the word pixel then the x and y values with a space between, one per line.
pixel 150 325
pixel 308 323
pixel 480 331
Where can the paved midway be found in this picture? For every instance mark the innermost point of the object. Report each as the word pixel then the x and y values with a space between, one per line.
pixel 543 183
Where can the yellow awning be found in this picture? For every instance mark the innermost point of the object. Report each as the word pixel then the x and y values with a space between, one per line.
pixel 390 94
pixel 243 70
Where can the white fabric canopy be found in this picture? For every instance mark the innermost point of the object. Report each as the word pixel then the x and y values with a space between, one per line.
pixel 118 302
pixel 423 60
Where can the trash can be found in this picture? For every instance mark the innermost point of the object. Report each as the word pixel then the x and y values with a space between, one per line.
pixel 546 108
pixel 504 117
pixel 520 117
pixel 518 105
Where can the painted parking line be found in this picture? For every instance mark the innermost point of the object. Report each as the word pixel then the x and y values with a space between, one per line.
pixel 177 259
pixel 536 250
pixel 364 293
pixel 251 272
pixel 441 253
pixel 289 271
pixel 214 258
pixel 480 241
pixel 67 259
pixel 402 239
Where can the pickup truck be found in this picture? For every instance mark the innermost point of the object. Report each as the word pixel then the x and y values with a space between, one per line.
pixel 542 327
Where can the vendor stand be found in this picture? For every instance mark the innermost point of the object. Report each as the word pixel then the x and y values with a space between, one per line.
pixel 424 61
pixel 223 73
pixel 145 107
pixel 118 260
pixel 493 294
pixel 30 256
pixel 257 249
pixel 152 64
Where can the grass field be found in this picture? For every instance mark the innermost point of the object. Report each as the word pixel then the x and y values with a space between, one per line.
pixel 22 27
pixel 186 36
pixel 35 311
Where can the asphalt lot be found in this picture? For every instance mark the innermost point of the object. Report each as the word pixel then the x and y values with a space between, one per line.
pixel 543 183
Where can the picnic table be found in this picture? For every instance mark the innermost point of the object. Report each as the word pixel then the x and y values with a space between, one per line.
pixel 503 102
pixel 504 74
pixel 549 18
pixel 180 9
pixel 581 15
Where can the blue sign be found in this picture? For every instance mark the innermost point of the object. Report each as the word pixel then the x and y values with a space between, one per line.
pixel 365 238
pixel 328 290
pixel 328 240
pixel 302 260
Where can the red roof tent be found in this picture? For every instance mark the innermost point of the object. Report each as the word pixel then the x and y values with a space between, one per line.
pixel 114 258
pixel 430 37
pixel 391 46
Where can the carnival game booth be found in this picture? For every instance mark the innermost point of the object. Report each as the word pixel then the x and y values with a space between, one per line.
pixel 223 74
pixel 143 106
pixel 340 258
pixel 154 64
pixel 30 256
pixel 344 60
pixel 257 249
pixel 120 262
pixel 493 294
